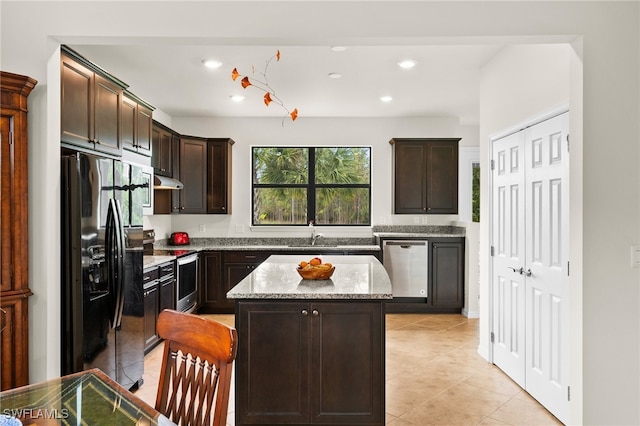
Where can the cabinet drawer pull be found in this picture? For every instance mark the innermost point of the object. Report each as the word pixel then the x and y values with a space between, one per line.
pixel 304 312
pixel 315 312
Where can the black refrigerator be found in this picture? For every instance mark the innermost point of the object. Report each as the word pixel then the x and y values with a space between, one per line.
pixel 102 298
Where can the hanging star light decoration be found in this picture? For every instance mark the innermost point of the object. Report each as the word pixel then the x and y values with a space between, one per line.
pixel 262 83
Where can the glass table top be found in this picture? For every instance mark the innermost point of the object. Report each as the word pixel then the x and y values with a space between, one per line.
pixel 86 398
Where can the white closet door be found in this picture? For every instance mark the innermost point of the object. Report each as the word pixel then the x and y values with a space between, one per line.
pixel 547 237
pixel 508 246
pixel 530 239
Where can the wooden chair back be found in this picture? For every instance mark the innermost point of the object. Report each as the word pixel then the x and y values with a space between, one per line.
pixel 195 377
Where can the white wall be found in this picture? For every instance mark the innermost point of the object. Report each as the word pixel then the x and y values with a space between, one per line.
pixel 604 167
pixel 250 132
pixel 520 84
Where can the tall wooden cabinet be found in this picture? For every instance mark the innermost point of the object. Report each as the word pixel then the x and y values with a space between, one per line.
pixel 425 175
pixel 14 255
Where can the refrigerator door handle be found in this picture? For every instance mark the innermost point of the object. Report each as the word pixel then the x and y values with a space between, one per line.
pixel 115 261
pixel 110 258
pixel 120 253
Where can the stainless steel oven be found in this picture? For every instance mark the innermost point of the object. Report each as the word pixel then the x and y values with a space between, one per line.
pixel 187 283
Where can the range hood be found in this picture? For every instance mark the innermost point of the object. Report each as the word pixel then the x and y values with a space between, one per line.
pixel 163 182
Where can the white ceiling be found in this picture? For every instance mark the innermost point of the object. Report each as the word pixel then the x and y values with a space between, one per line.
pixel 172 78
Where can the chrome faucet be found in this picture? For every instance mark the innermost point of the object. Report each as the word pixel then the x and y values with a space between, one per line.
pixel 315 236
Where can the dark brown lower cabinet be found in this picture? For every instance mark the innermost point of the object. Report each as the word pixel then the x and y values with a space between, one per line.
pixel 447 274
pixel 310 362
pixel 151 302
pixel 213 292
pixel 167 286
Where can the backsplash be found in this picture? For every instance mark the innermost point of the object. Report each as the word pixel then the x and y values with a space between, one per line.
pixel 421 229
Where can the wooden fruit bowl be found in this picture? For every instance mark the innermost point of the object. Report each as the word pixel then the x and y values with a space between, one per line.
pixel 315 273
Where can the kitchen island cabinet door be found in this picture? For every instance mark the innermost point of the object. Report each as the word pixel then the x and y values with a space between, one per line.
pixel 347 367
pixel 272 366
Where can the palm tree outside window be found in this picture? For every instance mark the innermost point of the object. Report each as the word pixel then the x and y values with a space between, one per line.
pixel 319 185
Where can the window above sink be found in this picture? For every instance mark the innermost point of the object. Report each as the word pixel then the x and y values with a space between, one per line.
pixel 307 185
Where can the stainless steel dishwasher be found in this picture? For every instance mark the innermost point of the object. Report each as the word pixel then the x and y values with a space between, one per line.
pixel 407 263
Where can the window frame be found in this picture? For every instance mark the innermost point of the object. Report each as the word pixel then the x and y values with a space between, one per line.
pixel 311 186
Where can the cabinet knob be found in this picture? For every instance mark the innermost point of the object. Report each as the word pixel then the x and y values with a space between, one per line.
pixel 304 312
pixel 315 312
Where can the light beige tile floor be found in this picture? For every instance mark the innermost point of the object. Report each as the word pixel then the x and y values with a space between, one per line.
pixel 434 376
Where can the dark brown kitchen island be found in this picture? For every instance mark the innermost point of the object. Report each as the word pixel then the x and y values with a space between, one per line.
pixel 311 352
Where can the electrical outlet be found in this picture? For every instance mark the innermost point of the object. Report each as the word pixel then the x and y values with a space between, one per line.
pixel 635 256
pixel 203 228
pixel 424 220
pixel 416 220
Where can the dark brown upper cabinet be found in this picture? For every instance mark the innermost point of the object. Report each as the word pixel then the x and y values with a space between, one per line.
pixel 193 175
pixel 136 124
pixel 91 103
pixel 162 150
pixel 425 175
pixel 219 176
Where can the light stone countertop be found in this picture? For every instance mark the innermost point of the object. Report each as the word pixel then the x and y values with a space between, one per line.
pixel 150 261
pixel 355 277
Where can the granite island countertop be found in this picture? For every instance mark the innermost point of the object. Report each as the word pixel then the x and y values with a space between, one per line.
pixel 355 277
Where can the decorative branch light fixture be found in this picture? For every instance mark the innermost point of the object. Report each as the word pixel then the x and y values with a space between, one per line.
pixel 270 94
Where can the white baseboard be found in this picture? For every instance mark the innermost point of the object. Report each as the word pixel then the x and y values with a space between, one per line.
pixel 483 352
pixel 471 314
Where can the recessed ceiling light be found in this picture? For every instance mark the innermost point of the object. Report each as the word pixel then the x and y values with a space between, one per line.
pixel 407 63
pixel 386 98
pixel 335 75
pixel 211 63
pixel 338 48
pixel 237 98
